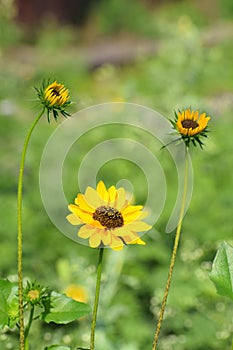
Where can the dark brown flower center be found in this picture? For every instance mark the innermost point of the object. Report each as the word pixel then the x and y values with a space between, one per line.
pixel 55 92
pixel 189 124
pixel 108 217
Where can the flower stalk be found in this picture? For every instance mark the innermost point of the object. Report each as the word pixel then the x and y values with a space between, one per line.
pixel 20 233
pixel 54 99
pixel 174 253
pixel 96 301
pixel 27 329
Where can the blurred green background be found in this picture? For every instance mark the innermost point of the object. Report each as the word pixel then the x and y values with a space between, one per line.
pixel 161 54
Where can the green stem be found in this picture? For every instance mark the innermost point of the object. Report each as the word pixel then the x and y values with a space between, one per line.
pixel 96 302
pixel 20 233
pixel 27 329
pixel 174 252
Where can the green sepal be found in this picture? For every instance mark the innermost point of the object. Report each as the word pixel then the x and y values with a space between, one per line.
pixel 222 270
pixel 8 304
pixel 61 309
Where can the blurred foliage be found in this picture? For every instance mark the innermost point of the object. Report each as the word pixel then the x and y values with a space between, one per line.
pixel 226 7
pixel 184 71
pixel 112 17
pixel 9 32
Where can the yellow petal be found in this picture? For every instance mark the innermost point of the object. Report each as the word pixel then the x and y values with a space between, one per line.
pixel 95 240
pixel 202 116
pixel 130 239
pixel 106 237
pixel 82 215
pixel 138 226
pixel 73 219
pixel 138 241
pixel 180 116
pixel 195 116
pixel 187 114
pixel 86 231
pixel 143 215
pixel 131 209
pixel 92 198
pixel 80 200
pixel 112 194
pixel 72 208
pixel 102 192
pixel 96 223
pixel 116 243
pixel 192 115
pixel 127 235
pixel 117 248
pixel 120 199
pixel 131 217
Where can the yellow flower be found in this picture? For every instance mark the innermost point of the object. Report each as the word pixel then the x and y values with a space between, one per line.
pixel 107 218
pixel 35 294
pixel 191 126
pixel 77 293
pixel 55 97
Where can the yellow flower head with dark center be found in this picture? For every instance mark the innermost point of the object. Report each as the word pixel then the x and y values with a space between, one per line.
pixel 107 218
pixel 191 126
pixel 55 97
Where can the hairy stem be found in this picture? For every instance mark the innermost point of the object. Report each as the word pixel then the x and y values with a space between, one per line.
pixel 96 302
pixel 20 233
pixel 174 252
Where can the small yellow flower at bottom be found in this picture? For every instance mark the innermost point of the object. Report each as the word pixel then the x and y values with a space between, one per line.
pixel 107 218
pixel 77 293
pixel 55 97
pixel 191 126
pixel 35 294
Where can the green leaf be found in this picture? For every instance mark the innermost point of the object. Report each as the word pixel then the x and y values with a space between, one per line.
pixel 8 303
pixel 57 347
pixel 3 311
pixel 61 309
pixel 222 270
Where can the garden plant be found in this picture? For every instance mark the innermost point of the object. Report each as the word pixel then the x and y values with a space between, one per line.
pixel 108 219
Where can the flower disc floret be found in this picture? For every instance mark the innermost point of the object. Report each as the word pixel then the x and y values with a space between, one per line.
pixel 191 126
pixel 107 218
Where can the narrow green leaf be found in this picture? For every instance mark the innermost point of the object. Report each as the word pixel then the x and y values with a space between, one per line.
pixel 222 270
pixel 8 303
pixel 61 309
